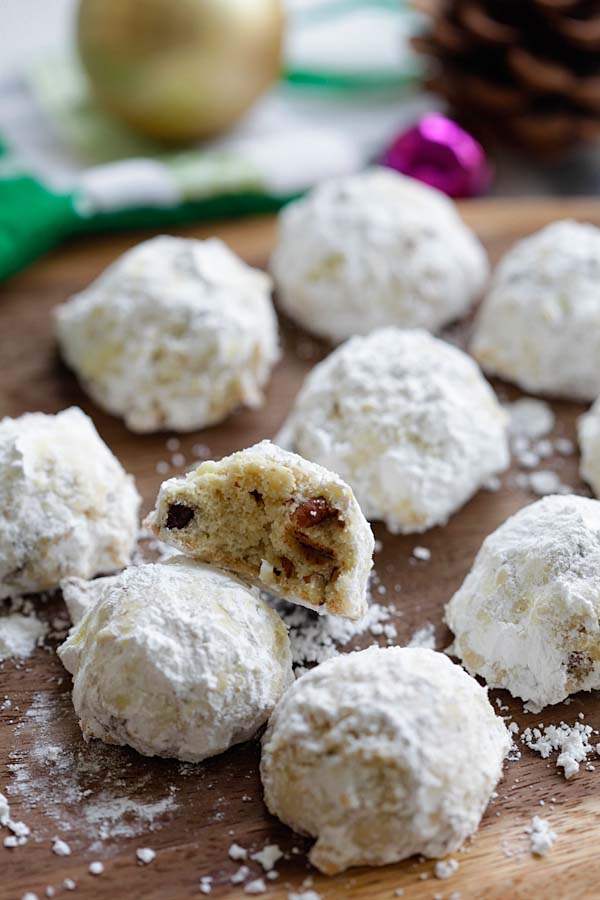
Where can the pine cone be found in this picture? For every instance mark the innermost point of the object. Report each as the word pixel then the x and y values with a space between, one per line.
pixel 525 71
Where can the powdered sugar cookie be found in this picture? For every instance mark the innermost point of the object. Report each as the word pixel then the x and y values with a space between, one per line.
pixel 176 334
pixel 375 249
pixel 382 754
pixel 407 420
pixel 526 616
pixel 67 507
pixel 539 324
pixel 174 659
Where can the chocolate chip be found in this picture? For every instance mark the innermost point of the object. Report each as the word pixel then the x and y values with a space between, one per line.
pixel 179 516
pixel 312 512
pixel 258 497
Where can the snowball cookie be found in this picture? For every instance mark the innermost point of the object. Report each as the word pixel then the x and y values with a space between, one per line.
pixel 174 659
pixel 382 754
pixel 272 516
pixel 375 249
pixel 67 507
pixel 588 429
pixel 175 334
pixel 539 325
pixel 526 617
pixel 407 420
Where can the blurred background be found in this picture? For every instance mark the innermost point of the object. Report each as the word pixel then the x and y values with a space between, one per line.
pixel 119 113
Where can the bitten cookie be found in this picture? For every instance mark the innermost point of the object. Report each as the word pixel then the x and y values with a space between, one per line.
pixel 382 754
pixel 407 420
pixel 375 249
pixel 526 617
pixel 175 334
pixel 539 324
pixel 174 659
pixel 67 507
pixel 273 517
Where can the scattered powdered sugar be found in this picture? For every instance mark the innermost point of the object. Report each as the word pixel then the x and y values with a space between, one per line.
pixel 91 787
pixel 205 886
pixel 305 895
pixel 423 553
pixel 60 847
pixel 547 482
pixel 571 741
pixel 20 831
pixel 531 421
pixel 541 836
pixel 125 816
pixel 145 855
pixel 445 868
pixel 241 875
pixel 20 635
pixel 4 811
pixel 268 856
pixel 529 418
pixel 424 637
pixel 236 852
pixel 257 886
pixel 564 446
pixel 315 638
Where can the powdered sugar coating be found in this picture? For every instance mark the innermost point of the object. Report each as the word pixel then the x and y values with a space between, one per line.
pixel 375 249
pixel 539 324
pixel 407 420
pixel 67 507
pixel 175 334
pixel 588 432
pixel 174 659
pixel 381 754
pixel 527 616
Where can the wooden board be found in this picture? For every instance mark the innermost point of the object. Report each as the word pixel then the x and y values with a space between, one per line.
pixel 191 814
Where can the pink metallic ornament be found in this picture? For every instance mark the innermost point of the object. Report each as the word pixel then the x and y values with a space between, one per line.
pixel 440 153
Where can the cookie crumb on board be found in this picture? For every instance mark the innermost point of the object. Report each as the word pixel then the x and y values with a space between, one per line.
pixel 541 836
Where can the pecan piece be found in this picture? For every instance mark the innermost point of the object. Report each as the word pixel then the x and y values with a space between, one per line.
pixel 579 664
pixel 313 512
pixel 314 553
pixel 179 516
pixel 287 566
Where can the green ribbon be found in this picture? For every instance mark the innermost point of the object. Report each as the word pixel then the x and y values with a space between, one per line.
pixel 348 81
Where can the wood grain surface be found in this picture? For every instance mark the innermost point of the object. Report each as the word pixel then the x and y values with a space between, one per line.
pixel 107 801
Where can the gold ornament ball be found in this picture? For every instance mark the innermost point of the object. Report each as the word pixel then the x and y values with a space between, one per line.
pixel 177 70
